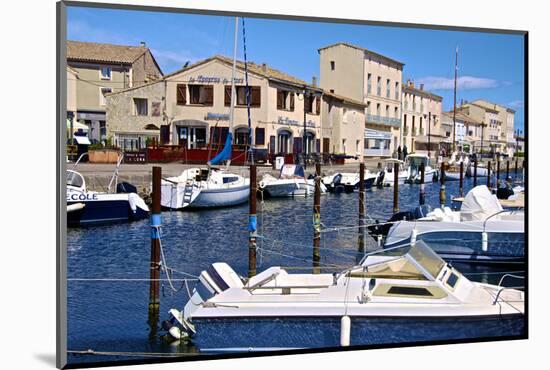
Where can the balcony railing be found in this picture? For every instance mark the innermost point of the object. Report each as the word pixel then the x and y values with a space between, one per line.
pixel 376 152
pixel 371 118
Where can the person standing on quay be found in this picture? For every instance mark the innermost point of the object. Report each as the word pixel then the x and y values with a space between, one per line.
pixel 399 152
pixel 405 152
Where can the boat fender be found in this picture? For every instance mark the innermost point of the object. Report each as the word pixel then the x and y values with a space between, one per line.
pixel 345 331
pixel 484 241
pixel 414 235
pixel 175 332
pixel 262 184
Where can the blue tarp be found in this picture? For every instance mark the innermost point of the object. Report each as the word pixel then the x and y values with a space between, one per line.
pixel 225 154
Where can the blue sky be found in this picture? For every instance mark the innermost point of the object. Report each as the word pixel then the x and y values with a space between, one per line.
pixel 491 66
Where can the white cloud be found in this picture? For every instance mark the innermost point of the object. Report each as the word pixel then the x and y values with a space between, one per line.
pixel 516 104
pixel 168 57
pixel 463 83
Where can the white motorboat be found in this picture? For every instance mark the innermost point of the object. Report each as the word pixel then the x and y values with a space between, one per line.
pixel 482 171
pixel 386 176
pixel 85 207
pixel 482 231
pixel 403 295
pixel 204 188
pixel 453 173
pixel 348 181
pixel 414 161
pixel 291 183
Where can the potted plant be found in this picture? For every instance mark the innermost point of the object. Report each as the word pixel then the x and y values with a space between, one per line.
pixel 103 153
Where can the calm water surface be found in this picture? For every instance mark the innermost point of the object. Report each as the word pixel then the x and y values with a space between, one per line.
pixel 113 316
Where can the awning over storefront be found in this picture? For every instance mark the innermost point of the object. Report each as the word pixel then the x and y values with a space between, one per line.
pixel 77 126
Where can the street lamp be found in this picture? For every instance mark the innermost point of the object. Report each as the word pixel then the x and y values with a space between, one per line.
pixel 483 124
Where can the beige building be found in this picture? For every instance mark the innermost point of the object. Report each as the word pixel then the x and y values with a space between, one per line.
pixel 467 132
pixel 422 131
pixel 503 125
pixel 493 125
pixel 373 79
pixel 72 75
pixel 102 69
pixel 190 108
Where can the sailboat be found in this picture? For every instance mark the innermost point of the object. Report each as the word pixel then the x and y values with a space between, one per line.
pixel 209 187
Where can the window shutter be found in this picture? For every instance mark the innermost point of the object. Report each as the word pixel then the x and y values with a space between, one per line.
pixel 280 98
pixel 256 96
pixel 318 105
pixel 181 98
pixel 260 136
pixel 227 96
pixel 292 102
pixel 208 95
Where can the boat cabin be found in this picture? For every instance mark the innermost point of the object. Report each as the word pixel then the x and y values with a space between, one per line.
pixel 75 181
pixel 291 171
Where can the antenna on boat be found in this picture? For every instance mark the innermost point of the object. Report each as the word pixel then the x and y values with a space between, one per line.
pixel 454 106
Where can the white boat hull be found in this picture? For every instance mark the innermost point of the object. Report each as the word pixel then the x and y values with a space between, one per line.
pixel 210 198
pixel 481 171
pixel 291 188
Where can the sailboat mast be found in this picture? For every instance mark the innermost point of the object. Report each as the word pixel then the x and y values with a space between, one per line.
pixel 454 106
pixel 233 91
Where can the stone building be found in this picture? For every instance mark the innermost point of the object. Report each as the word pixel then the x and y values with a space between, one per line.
pixel 191 106
pixel 102 69
pixel 421 120
pixel 373 79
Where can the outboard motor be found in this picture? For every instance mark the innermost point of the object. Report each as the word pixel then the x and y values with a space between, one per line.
pixel 380 179
pixel 337 183
pixel 125 187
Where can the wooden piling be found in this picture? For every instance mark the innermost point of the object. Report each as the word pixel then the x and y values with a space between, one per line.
pixel 498 172
pixel 252 223
pixel 489 175
pixel 475 173
pixel 507 169
pixel 154 266
pixel 422 197
pixel 442 195
pixel 461 184
pixel 361 237
pixel 516 167
pixel 317 220
pixel 395 188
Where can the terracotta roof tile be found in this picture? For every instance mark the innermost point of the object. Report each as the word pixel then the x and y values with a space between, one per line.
pixel 106 53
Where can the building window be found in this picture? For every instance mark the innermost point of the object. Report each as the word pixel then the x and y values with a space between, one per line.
pixel 255 96
pixel 140 107
pixel 201 94
pixel 241 136
pixel 378 109
pixel 285 100
pixel 368 107
pixel 105 73
pixel 387 111
pixel 397 91
pixel 181 94
pixel 406 98
pixel 379 86
pixel 369 83
pixel 283 140
pixel 332 65
pixel 260 136
pixel 396 113
pixel 308 104
pixel 102 92
pixel 388 88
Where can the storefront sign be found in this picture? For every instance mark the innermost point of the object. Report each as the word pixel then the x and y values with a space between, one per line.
pixel 292 122
pixel 217 116
pixel 214 80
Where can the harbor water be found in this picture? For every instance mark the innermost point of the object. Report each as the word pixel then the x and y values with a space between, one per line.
pixel 108 265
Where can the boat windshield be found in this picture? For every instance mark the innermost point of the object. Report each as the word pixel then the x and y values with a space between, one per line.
pixel 415 162
pixel 74 179
pixel 407 258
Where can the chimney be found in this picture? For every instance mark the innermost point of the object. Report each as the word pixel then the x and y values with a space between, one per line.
pixel 142 43
pixel 264 67
pixel 314 81
pixel 421 86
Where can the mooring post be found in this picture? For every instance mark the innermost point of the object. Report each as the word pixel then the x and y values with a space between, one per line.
pixel 442 196
pixel 475 173
pixel 516 168
pixel 498 172
pixel 361 238
pixel 507 169
pixel 154 266
pixel 395 187
pixel 489 175
pixel 252 223
pixel 461 184
pixel 422 198
pixel 317 220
